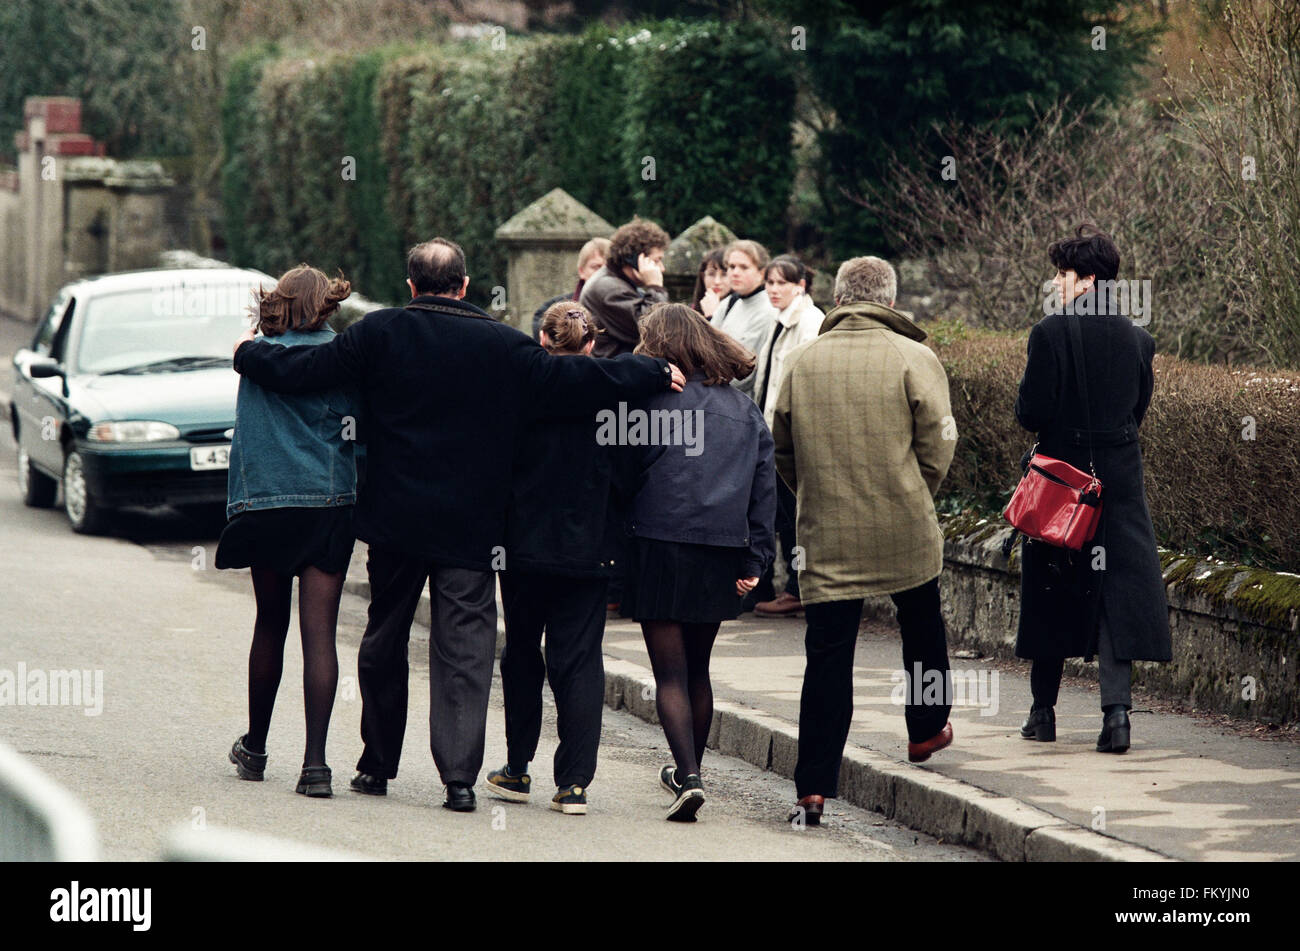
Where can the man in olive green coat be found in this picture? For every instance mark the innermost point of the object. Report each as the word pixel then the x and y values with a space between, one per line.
pixel 864 436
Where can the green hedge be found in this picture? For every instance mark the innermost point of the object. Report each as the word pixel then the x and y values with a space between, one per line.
pixel 455 140
pixel 714 107
pixel 237 176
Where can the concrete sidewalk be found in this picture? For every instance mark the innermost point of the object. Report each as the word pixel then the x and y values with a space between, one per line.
pixel 1188 789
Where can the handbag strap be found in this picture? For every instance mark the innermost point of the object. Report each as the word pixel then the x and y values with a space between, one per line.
pixel 1080 372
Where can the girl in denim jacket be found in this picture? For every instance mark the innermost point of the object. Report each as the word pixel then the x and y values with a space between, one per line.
pixel 291 491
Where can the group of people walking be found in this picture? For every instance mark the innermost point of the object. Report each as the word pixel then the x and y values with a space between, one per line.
pixel 828 432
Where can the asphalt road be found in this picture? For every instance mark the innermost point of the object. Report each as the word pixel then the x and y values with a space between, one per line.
pixel 170 634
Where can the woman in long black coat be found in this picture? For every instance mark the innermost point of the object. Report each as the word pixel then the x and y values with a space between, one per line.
pixel 1107 600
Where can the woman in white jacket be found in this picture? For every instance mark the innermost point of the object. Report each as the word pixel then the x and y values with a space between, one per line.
pixel 798 320
pixel 746 314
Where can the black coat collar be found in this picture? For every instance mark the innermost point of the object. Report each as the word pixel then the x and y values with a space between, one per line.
pixel 447 305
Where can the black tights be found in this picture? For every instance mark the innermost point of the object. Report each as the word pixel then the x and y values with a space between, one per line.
pixel 679 655
pixel 318 614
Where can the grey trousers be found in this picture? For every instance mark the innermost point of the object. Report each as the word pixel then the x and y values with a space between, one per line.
pixel 1115 675
pixel 462 647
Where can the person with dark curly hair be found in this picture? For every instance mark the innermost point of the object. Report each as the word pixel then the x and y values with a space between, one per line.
pixel 630 283
pixel 292 487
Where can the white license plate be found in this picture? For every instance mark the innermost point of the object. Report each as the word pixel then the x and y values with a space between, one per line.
pixel 210 457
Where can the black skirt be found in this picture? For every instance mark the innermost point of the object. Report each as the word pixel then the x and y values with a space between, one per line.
pixel 676 581
pixel 289 540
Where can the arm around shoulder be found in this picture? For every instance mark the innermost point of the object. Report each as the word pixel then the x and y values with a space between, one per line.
pixel 305 369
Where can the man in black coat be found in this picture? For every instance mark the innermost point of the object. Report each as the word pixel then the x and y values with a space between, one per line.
pixel 1107 600
pixel 446 387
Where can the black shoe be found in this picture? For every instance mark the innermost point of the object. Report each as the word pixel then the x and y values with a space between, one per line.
pixel 688 801
pixel 370 785
pixel 1041 725
pixel 315 782
pixel 668 780
pixel 249 765
pixel 460 798
pixel 512 787
pixel 570 800
pixel 1114 732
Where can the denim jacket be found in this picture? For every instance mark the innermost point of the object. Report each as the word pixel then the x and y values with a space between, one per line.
pixel 292 450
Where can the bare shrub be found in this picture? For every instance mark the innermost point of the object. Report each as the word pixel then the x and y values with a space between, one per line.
pixel 986 230
pixel 1244 111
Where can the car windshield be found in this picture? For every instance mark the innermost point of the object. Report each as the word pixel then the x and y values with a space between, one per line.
pixel 169 327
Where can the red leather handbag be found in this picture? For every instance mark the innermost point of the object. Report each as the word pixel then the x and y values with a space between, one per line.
pixel 1056 503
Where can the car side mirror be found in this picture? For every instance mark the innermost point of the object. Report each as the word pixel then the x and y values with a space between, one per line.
pixel 44 367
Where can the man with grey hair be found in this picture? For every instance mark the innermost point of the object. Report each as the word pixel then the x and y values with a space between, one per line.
pixel 866 279
pixel 864 435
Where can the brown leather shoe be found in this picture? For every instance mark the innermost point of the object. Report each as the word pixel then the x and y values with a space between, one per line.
pixel 920 752
pixel 785 605
pixel 810 807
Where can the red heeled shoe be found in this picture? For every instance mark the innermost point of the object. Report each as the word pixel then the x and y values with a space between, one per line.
pixel 920 752
pixel 810 808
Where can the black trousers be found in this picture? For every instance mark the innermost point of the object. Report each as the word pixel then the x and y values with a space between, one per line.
pixel 571 613
pixel 785 512
pixel 826 704
pixel 462 643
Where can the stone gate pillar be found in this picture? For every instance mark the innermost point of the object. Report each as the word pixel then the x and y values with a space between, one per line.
pixel 542 243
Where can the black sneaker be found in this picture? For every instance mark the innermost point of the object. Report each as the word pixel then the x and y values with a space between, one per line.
pixel 249 765
pixel 688 801
pixel 570 800
pixel 370 785
pixel 512 787
pixel 668 780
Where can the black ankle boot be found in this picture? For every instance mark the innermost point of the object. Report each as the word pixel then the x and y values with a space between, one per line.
pixel 1114 736
pixel 1041 725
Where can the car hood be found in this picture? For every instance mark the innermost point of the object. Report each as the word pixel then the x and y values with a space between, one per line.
pixel 183 398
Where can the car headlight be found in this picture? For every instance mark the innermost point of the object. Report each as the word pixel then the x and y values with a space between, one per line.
pixel 133 430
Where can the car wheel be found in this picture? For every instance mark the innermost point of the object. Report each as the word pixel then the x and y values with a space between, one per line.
pixel 37 489
pixel 85 513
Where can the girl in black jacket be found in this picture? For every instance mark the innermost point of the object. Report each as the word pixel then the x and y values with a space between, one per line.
pixel 560 551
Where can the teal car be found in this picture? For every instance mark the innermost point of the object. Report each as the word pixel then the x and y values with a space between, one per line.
pixel 126 396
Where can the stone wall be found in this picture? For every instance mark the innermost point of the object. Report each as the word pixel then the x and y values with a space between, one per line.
pixel 1236 630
